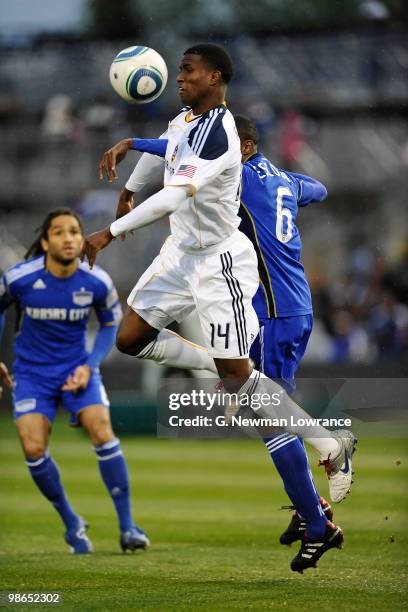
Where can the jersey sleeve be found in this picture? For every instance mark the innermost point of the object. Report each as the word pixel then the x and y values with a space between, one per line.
pixel 149 169
pixel 154 146
pixel 308 189
pixel 107 305
pixel 210 151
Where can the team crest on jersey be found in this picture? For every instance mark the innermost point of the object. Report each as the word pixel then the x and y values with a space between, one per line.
pixel 173 157
pixel 83 297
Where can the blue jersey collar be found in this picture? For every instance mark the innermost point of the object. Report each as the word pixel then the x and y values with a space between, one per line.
pixel 254 157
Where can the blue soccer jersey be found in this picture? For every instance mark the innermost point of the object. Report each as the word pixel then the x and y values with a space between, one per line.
pixel 55 313
pixel 269 205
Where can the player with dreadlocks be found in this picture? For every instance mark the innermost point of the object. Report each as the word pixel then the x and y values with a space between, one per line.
pixel 54 293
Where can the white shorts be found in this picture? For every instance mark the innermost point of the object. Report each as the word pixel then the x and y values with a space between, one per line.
pixel 220 284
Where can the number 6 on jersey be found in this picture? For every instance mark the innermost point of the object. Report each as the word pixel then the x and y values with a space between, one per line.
pixel 281 213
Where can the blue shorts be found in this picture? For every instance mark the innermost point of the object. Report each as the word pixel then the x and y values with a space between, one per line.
pixel 279 347
pixel 37 395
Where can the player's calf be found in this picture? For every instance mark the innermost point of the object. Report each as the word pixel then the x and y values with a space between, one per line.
pixel 113 469
pixel 45 474
pixel 134 334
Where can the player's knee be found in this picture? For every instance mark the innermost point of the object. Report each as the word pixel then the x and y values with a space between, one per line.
pixel 101 433
pixel 122 343
pixel 129 346
pixel 102 436
pixel 33 448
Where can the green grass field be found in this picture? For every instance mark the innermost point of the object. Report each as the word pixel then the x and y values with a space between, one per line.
pixel 211 509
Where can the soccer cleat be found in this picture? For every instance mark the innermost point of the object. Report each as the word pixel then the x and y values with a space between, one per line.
pixel 312 549
pixel 78 540
pixel 297 526
pixel 133 539
pixel 338 468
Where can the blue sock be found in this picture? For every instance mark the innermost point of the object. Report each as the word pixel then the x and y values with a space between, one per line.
pixel 290 459
pixel 113 468
pixel 46 476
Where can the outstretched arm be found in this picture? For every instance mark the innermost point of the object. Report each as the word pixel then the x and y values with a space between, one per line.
pixel 309 189
pixel 118 152
pixel 147 170
pixel 154 208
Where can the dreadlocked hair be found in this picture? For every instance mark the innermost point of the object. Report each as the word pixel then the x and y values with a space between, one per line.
pixel 36 248
pixel 42 231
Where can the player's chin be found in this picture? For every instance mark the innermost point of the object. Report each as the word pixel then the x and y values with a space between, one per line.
pixel 185 98
pixel 66 259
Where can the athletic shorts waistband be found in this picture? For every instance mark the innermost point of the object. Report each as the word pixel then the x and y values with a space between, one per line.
pixel 213 249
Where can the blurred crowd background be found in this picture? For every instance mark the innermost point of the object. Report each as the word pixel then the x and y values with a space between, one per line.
pixel 326 83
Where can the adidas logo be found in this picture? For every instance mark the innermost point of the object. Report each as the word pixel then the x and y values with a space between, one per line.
pixel 39 284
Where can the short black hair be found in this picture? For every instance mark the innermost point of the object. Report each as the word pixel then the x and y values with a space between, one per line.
pixel 216 57
pixel 246 128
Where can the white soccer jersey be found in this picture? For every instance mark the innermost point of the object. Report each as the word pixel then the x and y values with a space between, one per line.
pixel 203 153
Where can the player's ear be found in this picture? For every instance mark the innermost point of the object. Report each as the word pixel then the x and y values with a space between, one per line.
pixel 44 245
pixel 216 77
pixel 246 147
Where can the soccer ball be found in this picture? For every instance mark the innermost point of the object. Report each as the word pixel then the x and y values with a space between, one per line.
pixel 138 74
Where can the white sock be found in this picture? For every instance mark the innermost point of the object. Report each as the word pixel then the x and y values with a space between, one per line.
pixel 172 350
pixel 325 446
pixel 317 436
